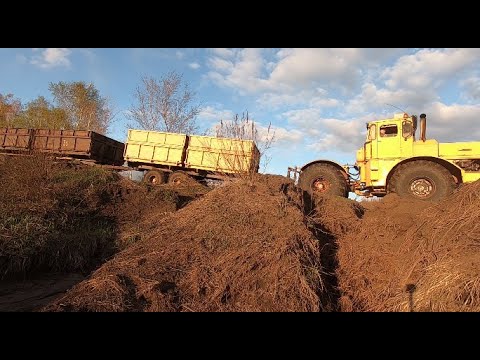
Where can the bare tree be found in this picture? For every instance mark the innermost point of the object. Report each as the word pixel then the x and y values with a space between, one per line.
pixel 165 105
pixel 244 128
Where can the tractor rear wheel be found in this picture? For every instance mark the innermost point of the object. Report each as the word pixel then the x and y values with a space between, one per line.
pixel 179 178
pixel 154 177
pixel 323 179
pixel 422 180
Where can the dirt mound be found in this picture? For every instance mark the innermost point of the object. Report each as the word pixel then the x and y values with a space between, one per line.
pixel 413 256
pixel 58 217
pixel 137 207
pixel 241 247
pixel 50 216
pixel 337 215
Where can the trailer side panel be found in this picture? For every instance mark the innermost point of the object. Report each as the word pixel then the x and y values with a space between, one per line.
pixel 155 147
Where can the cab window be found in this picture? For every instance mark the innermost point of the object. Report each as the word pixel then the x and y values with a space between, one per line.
pixel 407 129
pixel 388 130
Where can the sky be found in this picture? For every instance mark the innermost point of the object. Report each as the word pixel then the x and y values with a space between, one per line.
pixel 316 100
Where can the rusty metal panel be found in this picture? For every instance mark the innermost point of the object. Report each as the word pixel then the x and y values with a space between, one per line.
pixel 15 138
pixel 82 144
pixel 105 149
pixel 62 141
pixel 155 147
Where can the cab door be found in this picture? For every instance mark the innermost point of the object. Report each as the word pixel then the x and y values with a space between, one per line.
pixel 388 143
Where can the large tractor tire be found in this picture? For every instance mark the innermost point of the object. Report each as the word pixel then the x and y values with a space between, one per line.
pixel 323 179
pixel 180 178
pixel 154 177
pixel 422 180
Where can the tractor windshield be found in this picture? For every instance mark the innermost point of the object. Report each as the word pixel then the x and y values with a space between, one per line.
pixel 407 129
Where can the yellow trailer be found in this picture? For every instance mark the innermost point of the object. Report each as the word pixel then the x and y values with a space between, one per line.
pixel 224 155
pixel 177 156
pixel 155 147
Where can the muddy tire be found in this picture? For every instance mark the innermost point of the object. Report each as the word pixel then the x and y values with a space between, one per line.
pixel 323 179
pixel 179 178
pixel 422 180
pixel 154 177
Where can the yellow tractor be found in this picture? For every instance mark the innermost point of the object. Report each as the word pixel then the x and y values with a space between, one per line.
pixel 392 159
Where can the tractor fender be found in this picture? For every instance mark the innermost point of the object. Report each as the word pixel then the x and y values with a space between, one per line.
pixel 322 161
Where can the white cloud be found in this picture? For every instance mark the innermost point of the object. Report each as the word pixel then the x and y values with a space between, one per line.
pixel 427 68
pixel 194 65
pixel 340 135
pixel 414 81
pixel 276 100
pixel 243 74
pixel 249 71
pixel 313 98
pixel 323 102
pixel 450 123
pixel 372 98
pixel 307 120
pixel 219 64
pixel 327 95
pixel 52 57
pixel 223 52
pixel 309 66
pixel 180 55
pixel 265 136
pixel 211 113
pixel 472 88
pixel 283 137
pixel 328 134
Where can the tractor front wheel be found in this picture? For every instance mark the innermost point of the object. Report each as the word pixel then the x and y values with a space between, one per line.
pixel 323 179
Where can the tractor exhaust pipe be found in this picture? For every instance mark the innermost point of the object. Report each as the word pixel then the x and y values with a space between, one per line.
pixel 423 127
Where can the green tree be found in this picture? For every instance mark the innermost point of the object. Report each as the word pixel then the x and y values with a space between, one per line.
pixel 85 108
pixel 41 114
pixel 10 108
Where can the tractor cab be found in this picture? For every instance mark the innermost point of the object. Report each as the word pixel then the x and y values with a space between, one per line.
pixel 388 140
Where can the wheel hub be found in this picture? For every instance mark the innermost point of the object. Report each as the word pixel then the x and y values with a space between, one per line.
pixel 320 185
pixel 422 188
pixel 153 180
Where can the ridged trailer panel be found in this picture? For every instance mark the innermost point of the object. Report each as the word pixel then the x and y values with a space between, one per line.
pixel 155 147
pixel 79 143
pixel 82 144
pixel 15 138
pixel 223 155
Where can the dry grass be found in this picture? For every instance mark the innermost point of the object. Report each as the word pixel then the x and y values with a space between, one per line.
pixel 410 256
pixel 55 217
pixel 49 216
pixel 248 160
pixel 239 248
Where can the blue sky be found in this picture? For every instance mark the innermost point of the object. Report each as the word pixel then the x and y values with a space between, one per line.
pixel 317 100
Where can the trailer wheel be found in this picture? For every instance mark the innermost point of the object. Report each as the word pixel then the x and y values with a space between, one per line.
pixel 154 177
pixel 323 179
pixel 179 178
pixel 422 180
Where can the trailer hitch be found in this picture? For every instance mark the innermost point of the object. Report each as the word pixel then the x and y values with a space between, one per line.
pixel 294 173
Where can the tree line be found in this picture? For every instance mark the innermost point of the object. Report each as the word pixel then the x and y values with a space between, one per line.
pixel 162 104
